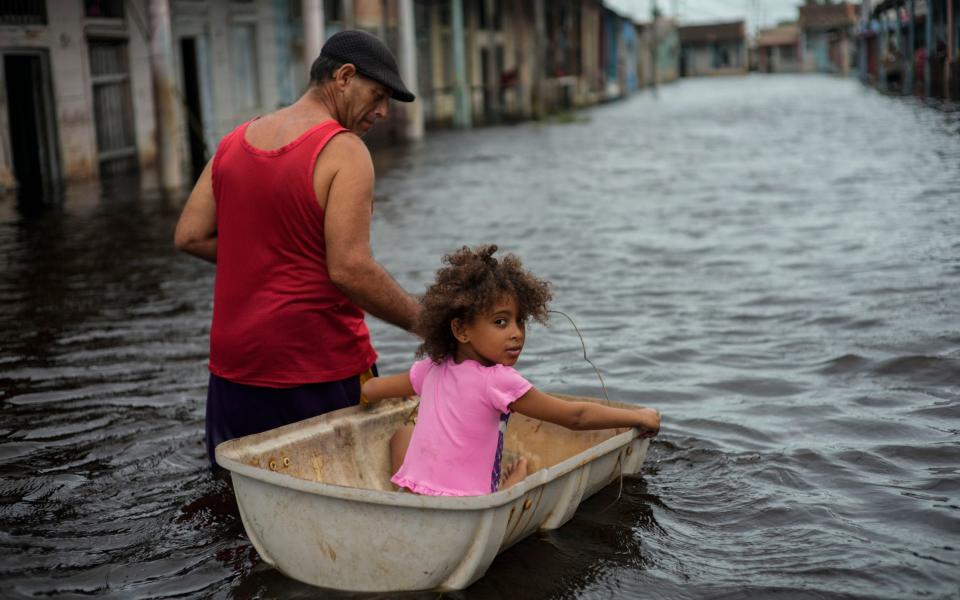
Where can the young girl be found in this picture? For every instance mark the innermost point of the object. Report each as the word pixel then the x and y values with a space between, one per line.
pixel 473 325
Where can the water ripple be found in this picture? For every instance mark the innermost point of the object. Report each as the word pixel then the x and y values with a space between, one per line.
pixel 755 257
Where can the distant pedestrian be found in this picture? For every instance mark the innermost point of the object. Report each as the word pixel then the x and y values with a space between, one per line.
pixel 283 209
pixel 919 68
pixel 474 326
pixel 893 67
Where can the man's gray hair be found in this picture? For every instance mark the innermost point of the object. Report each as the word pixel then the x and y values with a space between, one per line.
pixel 323 69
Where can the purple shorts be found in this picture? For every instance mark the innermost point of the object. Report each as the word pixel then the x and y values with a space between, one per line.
pixel 235 410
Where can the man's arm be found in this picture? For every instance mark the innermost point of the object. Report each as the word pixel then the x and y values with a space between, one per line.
pixel 197 229
pixel 346 228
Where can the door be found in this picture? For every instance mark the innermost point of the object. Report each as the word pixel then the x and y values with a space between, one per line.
pixel 194 106
pixel 30 117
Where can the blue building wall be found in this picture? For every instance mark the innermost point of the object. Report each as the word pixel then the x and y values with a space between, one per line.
pixel 630 55
pixel 611 30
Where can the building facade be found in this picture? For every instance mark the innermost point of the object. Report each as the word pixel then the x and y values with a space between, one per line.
pixel 779 50
pixel 713 49
pixel 827 37
pixel 76 99
pixel 94 88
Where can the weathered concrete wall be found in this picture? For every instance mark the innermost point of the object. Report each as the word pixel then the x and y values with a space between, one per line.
pixel 141 85
pixel 591 83
pixel 213 25
pixel 700 60
pixel 73 91
pixel 63 39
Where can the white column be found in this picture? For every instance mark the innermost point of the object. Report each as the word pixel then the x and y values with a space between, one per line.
pixel 462 116
pixel 413 129
pixel 161 68
pixel 313 30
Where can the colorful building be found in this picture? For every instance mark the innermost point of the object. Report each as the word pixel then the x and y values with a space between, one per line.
pixel 827 34
pixel 100 87
pixel 713 49
pixel 778 49
pixel 910 46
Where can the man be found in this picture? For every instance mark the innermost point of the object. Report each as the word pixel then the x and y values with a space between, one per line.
pixel 283 209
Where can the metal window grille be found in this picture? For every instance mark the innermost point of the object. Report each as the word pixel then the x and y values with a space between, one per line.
pixel 112 108
pixel 23 12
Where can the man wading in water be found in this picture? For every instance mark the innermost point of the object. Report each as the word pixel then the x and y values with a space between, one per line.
pixel 284 210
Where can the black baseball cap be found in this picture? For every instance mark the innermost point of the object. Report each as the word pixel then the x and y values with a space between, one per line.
pixel 371 57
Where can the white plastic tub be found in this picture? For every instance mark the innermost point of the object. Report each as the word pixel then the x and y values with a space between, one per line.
pixel 317 503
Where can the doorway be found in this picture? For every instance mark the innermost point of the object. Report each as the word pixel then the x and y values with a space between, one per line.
pixel 194 107
pixel 30 118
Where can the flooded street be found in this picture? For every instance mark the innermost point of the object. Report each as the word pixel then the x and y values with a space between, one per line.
pixel 773 262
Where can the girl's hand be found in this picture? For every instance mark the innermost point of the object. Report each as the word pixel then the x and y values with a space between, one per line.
pixel 651 422
pixel 580 416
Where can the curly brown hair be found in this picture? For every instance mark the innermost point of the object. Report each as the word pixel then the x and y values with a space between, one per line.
pixel 469 286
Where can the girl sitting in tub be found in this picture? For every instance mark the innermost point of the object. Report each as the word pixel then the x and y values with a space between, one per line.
pixel 473 325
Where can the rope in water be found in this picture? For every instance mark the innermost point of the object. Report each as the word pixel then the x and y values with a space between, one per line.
pixel 606 396
pixel 583 344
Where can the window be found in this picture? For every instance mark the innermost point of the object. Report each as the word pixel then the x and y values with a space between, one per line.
pixel 245 76
pixel 112 109
pixel 23 12
pixel 497 10
pixel 103 9
pixel 331 10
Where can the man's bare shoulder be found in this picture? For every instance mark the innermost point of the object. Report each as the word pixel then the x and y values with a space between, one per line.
pixel 346 159
pixel 348 148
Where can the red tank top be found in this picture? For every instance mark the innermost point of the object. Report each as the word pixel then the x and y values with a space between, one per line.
pixel 278 320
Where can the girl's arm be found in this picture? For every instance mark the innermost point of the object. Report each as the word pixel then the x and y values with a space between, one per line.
pixel 585 415
pixel 391 386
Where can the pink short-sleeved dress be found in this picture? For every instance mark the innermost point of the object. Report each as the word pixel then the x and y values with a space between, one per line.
pixel 458 440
